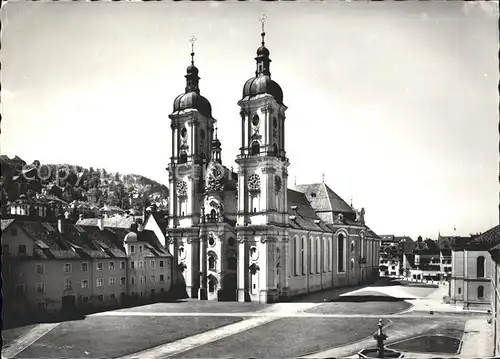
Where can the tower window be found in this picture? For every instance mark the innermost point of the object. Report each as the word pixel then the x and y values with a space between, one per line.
pixel 183 157
pixel 255 148
pixel 275 122
pixel 255 120
pixel 275 149
pixel 183 132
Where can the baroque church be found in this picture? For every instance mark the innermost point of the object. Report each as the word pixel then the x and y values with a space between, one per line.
pixel 246 236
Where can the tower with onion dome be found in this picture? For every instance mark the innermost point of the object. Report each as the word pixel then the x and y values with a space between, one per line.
pixel 262 186
pixel 192 127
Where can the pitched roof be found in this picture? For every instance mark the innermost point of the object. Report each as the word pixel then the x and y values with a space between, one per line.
pixel 323 199
pixel 6 223
pixel 488 239
pixel 304 214
pixel 84 241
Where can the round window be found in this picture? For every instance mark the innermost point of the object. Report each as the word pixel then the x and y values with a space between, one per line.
pixel 211 240
pixel 231 241
pixel 183 132
pixel 255 120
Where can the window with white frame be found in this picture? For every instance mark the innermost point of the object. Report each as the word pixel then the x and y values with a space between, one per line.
pixel 67 268
pixel 123 281
pixel 111 281
pixel 41 305
pixel 132 280
pixel 153 263
pixel 40 287
pixel 140 264
pixel 100 297
pixel 85 267
pixel 152 278
pixel 100 282
pixel 40 268
pixel 85 284
pixel 67 285
pixel 99 266
pixel 111 266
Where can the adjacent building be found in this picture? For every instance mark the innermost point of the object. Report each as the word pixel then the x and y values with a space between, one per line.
pixel 49 267
pixel 495 296
pixel 473 270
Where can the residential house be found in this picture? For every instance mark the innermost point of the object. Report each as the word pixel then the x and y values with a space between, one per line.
pixel 472 270
pixel 49 267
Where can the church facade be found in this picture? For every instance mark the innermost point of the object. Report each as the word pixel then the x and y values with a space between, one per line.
pixel 245 235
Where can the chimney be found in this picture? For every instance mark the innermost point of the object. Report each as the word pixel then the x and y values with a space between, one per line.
pixel 140 224
pixel 60 224
pixel 100 223
pixel 66 215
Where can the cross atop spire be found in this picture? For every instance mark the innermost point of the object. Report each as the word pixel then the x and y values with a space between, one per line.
pixel 323 178
pixel 262 19
pixel 192 40
pixel 215 131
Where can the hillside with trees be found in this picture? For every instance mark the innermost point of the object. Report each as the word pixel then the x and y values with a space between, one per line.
pixel 76 188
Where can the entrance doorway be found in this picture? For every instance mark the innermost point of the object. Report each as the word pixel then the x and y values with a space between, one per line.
pixel 229 287
pixel 69 304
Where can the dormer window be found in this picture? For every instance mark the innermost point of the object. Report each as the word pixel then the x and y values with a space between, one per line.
pixel 313 195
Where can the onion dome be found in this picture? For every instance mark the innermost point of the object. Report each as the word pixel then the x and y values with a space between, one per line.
pixel 262 82
pixel 130 237
pixel 191 98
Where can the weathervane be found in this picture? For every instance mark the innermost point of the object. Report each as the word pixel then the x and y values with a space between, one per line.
pixel 262 19
pixel 192 41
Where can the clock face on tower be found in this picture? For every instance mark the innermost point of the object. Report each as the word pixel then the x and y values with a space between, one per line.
pixel 182 189
pixel 254 183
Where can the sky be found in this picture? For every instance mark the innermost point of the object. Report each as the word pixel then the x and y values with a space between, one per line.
pixel 396 103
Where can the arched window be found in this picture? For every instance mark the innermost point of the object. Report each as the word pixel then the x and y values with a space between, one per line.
pixel 310 255
pixel 255 148
pixel 480 292
pixel 183 157
pixel 303 255
pixel 318 256
pixel 480 267
pixel 213 214
pixel 295 258
pixel 211 263
pixel 340 253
